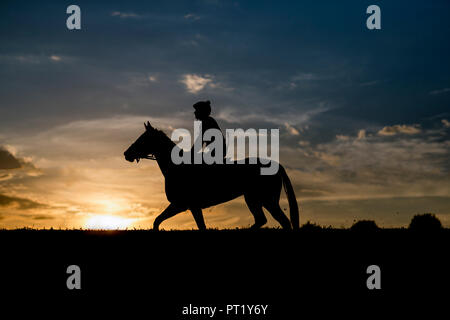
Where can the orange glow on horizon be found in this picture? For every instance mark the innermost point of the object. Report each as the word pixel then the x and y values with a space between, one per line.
pixel 107 222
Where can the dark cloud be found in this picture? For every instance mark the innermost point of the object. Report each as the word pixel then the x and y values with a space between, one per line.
pixel 41 217
pixel 277 63
pixel 7 160
pixel 19 203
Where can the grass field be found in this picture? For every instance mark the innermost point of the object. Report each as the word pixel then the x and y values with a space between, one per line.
pixel 169 269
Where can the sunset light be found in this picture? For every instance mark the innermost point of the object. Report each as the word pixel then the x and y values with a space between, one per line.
pixel 101 222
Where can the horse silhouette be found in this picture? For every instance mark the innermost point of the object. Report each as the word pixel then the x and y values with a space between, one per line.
pixel 197 186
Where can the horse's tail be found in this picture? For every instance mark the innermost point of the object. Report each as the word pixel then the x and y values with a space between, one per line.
pixel 293 206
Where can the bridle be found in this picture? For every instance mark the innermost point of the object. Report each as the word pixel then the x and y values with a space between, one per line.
pixel 149 157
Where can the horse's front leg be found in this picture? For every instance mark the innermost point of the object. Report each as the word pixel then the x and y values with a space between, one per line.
pixel 169 212
pixel 198 216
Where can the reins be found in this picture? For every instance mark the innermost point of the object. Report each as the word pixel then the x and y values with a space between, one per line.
pixel 149 157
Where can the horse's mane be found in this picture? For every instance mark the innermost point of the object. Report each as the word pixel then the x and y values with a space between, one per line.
pixel 161 135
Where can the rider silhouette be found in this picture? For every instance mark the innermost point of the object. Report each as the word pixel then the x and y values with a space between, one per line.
pixel 202 113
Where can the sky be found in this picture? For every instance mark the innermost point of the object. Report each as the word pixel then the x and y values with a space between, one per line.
pixel 364 115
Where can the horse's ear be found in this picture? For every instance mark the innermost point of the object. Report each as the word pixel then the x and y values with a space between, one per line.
pixel 148 126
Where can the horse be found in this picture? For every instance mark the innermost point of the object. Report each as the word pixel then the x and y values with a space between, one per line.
pixel 198 186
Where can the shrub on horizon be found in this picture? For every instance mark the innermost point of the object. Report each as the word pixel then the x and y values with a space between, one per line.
pixel 309 226
pixel 425 222
pixel 364 226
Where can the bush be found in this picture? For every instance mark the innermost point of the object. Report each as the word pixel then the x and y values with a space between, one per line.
pixel 364 226
pixel 308 226
pixel 425 222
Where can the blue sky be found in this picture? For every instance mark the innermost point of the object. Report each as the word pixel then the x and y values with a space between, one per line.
pixel 363 114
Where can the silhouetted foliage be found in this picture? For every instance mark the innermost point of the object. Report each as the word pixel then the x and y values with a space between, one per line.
pixel 308 226
pixel 364 226
pixel 425 222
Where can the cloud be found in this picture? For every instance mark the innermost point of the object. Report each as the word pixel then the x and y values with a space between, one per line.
pixel 370 168
pixel 291 129
pixel 87 140
pixel 233 115
pixel 361 134
pixel 31 59
pixel 303 143
pixel 125 15
pixel 342 137
pixel 328 158
pixel 191 16
pixel 306 77
pixel 193 43
pixel 303 80
pixel 135 81
pixel 19 203
pixel 195 83
pixel 446 123
pixel 434 92
pixel 7 160
pixel 40 217
pixel 405 129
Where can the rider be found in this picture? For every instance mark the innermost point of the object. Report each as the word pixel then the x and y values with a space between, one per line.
pixel 202 113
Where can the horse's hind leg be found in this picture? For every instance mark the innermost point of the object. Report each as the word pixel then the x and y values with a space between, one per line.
pixel 198 216
pixel 278 214
pixel 257 211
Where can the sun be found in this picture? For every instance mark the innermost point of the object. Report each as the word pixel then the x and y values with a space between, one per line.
pixel 107 222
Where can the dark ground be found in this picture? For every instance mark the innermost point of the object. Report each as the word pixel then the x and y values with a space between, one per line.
pixel 158 273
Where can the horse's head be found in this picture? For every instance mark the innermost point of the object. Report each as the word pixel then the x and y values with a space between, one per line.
pixel 145 146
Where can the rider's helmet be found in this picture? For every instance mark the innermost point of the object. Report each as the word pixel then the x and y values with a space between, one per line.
pixel 203 108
